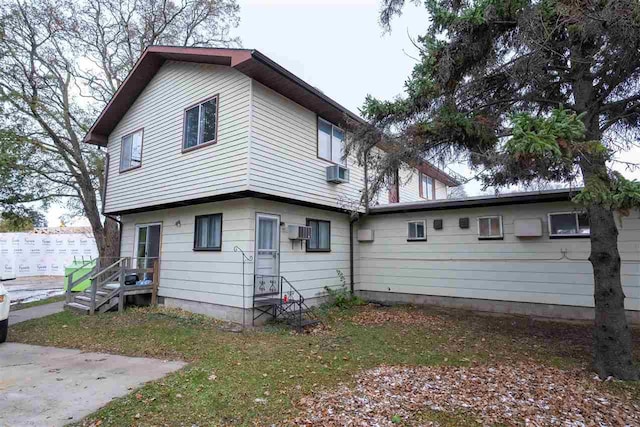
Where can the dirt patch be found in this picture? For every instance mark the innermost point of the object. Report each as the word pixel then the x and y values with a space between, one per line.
pixel 524 394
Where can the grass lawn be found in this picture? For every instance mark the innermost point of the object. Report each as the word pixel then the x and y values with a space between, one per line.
pixel 266 376
pixel 21 306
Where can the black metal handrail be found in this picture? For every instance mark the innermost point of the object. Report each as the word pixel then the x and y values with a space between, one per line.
pixel 266 285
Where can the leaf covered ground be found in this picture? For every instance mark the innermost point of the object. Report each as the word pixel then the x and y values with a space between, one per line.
pixel 400 366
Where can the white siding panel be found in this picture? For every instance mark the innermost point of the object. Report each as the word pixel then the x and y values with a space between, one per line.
pixel 168 175
pixel 284 158
pixel 454 263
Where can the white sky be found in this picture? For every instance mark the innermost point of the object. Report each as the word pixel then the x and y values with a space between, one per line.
pixel 337 46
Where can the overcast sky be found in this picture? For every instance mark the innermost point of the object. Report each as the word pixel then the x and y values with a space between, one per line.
pixel 337 46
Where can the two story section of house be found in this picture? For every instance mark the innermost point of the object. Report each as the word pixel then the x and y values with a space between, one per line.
pixel 214 152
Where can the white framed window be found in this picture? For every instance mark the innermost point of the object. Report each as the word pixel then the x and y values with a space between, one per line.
pixel 131 151
pixel 331 142
pixel 490 227
pixel 426 187
pixel 416 230
pixel 569 224
pixel 201 124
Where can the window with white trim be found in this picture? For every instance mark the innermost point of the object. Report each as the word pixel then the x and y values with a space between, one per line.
pixel 568 224
pixel 201 124
pixel 427 187
pixel 490 227
pixel 331 142
pixel 131 151
pixel 416 230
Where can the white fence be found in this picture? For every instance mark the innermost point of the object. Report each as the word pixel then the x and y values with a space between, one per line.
pixel 30 254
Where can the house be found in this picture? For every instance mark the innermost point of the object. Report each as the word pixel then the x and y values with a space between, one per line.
pixel 229 170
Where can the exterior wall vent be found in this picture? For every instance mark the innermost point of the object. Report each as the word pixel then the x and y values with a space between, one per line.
pixel 337 174
pixel 464 223
pixel 437 224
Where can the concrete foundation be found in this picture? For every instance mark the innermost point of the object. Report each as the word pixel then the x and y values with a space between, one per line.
pixel 551 311
pixel 225 312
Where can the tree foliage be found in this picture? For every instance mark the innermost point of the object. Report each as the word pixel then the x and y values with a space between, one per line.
pixel 19 218
pixel 60 62
pixel 526 91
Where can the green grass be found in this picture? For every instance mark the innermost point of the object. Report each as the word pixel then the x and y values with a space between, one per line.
pixel 21 306
pixel 281 367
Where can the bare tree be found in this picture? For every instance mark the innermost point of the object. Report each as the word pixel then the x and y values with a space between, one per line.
pixel 61 61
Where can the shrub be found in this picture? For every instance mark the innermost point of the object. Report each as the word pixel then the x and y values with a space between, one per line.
pixel 341 297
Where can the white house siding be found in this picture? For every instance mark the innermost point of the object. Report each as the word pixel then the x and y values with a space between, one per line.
pixel 208 277
pixel 454 263
pixel 283 154
pixel 216 277
pixel 309 272
pixel 167 174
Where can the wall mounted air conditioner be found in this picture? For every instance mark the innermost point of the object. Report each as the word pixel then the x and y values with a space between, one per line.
pixel 337 174
pixel 299 232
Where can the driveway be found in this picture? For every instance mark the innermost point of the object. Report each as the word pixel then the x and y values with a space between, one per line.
pixel 51 386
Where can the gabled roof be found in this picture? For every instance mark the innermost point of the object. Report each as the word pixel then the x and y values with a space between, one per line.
pixel 248 61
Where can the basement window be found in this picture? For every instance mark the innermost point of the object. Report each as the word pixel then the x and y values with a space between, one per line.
pixel 416 231
pixel 208 233
pixel 569 224
pixel 490 227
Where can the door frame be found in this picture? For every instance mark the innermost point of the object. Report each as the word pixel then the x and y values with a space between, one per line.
pixel 137 235
pixel 255 248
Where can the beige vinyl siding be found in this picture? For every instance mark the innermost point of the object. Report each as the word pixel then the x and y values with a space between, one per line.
pixel 168 175
pixel 441 190
pixel 309 272
pixel 284 161
pixel 205 276
pixel 454 263
pixel 216 277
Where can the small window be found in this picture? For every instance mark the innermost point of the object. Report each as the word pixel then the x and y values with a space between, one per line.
pixel 131 152
pixel 201 124
pixel 330 142
pixel 426 187
pixel 490 227
pixel 320 236
pixel 569 224
pixel 416 230
pixel 208 233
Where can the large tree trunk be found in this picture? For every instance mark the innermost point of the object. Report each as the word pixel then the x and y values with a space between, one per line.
pixel 612 349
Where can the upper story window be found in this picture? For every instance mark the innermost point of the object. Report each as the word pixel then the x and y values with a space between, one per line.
pixel 416 230
pixel 569 224
pixel 131 151
pixel 201 124
pixel 208 233
pixel 320 236
pixel 427 187
pixel 330 142
pixel 490 227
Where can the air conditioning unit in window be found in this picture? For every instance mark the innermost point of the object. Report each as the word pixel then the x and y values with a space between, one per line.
pixel 337 174
pixel 299 232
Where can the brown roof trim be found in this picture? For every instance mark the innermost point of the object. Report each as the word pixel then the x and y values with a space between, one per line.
pixel 228 196
pixel 563 195
pixel 250 62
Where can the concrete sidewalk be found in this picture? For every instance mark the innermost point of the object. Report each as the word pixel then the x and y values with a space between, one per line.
pixel 35 312
pixel 46 386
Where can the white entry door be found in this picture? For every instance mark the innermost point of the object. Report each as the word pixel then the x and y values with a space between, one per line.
pixel 147 246
pixel 267 245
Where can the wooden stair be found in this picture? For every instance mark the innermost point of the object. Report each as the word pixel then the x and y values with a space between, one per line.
pixel 105 292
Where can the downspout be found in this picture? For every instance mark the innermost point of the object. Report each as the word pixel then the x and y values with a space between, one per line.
pixel 355 219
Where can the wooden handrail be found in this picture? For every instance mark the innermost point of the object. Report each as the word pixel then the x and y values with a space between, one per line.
pixel 119 261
